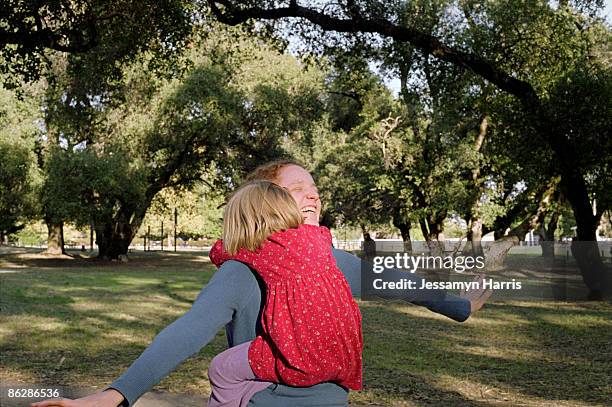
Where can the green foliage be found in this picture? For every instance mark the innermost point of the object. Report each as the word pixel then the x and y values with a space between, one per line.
pixel 125 126
pixel 586 125
pixel 527 49
pixel 33 234
pixel 85 186
pixel 199 213
pixel 100 34
pixel 18 176
pixel 16 202
pixel 408 158
pixel 566 229
pixel 109 155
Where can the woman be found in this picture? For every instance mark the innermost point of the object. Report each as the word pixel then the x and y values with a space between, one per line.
pixel 232 299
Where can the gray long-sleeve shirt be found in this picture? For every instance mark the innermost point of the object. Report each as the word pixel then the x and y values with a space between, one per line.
pixel 232 298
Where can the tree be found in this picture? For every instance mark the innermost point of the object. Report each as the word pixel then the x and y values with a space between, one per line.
pixel 494 61
pixel 163 141
pixel 153 134
pixel 79 51
pixel 112 31
pixel 407 156
pixel 18 176
pixel 16 203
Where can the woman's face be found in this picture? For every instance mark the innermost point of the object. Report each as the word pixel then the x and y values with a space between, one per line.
pixel 302 188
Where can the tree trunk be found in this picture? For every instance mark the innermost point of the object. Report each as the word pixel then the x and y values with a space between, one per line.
pixel 495 253
pixel 584 245
pixel 111 244
pixel 103 232
pixel 548 247
pixel 433 237
pixel 547 236
pixel 424 230
pixel 498 234
pixel 404 229
pixel 55 238
pixel 474 236
pixel 91 237
pixel 363 227
pixel 114 236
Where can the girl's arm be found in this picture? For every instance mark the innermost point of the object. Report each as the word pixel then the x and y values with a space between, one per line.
pixel 439 301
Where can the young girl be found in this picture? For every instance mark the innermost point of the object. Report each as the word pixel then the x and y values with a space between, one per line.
pixel 311 326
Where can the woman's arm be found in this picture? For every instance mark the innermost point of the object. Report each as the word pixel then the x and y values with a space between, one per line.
pixel 439 301
pixel 229 288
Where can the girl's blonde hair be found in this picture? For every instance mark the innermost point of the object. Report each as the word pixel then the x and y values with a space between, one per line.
pixel 254 212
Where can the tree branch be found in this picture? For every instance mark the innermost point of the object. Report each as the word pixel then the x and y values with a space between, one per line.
pixel 350 95
pixel 429 44
pixel 72 33
pixel 46 39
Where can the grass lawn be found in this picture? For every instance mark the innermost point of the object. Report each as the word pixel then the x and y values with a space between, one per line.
pixel 82 322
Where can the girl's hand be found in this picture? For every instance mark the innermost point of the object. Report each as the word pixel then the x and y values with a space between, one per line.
pixel 108 398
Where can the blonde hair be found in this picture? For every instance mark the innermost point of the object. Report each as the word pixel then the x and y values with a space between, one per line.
pixel 254 212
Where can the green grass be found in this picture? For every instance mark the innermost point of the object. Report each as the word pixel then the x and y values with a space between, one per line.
pixel 81 322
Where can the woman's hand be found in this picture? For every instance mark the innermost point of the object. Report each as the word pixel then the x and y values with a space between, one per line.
pixel 477 298
pixel 108 398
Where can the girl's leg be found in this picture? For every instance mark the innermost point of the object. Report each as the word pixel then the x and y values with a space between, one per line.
pixel 232 380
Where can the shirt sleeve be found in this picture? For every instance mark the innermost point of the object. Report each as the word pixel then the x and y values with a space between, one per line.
pixel 438 301
pixel 228 288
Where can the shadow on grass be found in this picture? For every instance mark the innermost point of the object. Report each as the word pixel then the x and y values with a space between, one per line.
pixel 36 259
pixel 528 356
pixel 91 322
pixel 60 326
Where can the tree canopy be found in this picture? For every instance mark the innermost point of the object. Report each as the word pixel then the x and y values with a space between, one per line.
pixel 498 114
